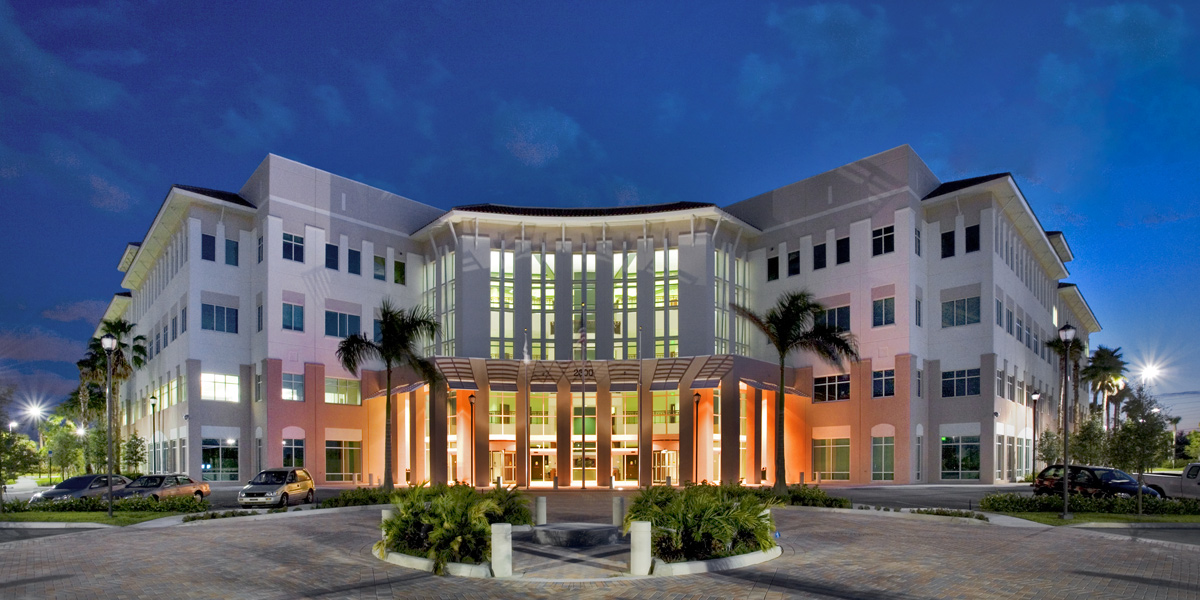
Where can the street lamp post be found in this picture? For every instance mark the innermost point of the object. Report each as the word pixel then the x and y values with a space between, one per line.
pixel 696 437
pixel 471 442
pixel 109 343
pixel 1035 397
pixel 1067 335
pixel 3 477
pixel 153 436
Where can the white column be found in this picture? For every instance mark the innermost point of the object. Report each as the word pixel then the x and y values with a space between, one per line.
pixel 541 511
pixel 639 548
pixel 502 550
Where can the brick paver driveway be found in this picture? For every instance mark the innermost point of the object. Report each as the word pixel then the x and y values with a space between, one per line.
pixel 827 555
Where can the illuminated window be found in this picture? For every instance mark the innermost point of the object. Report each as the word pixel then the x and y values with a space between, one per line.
pixel 222 388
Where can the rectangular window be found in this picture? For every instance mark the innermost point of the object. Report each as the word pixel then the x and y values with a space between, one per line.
pixel 831 459
pixel 293 453
pixel 398 273
pixel 218 318
pixel 1000 382
pixel 829 389
pixel 231 253
pixel 343 460
pixel 1020 330
pixel 293 317
pixel 883 240
pixel 293 247
pixel 963 382
pixel 836 317
pixel 331 256
pixel 260 248
pixel 1008 321
pixel 883 383
pixel 259 314
pixel 222 388
pixel 354 262
pixel 999 313
pixel 793 263
pixel 971 239
pixel 208 247
pixel 341 324
pixel 219 459
pixel 920 382
pixel 843 251
pixel 174 328
pixel 293 387
pixel 665 404
pixel 258 391
pixel 948 244
pixel 917 240
pixel 917 312
pixel 883 458
pixel 960 457
pixel 342 391
pixel 380 268
pixel 883 312
pixel 772 268
pixel 964 311
pixel 183 320
pixel 818 257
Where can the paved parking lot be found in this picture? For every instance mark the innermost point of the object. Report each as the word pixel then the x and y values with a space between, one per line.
pixel 826 555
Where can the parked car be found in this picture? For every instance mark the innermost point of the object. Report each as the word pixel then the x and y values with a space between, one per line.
pixel 83 486
pixel 173 485
pixel 278 487
pixel 1098 482
pixel 1171 485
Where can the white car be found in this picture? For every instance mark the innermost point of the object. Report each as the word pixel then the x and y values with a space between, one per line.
pixel 278 487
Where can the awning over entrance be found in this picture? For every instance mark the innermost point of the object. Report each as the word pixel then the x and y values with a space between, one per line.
pixel 668 372
pixel 544 376
pixel 399 389
pixel 623 375
pixel 711 372
pixel 771 387
pixel 457 372
pixel 502 375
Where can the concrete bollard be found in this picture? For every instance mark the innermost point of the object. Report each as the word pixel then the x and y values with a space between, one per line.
pixel 502 550
pixel 387 514
pixel 556 482
pixel 618 511
pixel 540 512
pixel 371 479
pixel 668 481
pixel 498 483
pixel 639 548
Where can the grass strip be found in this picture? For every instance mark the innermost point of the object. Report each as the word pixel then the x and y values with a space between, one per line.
pixel 1078 518
pixel 120 519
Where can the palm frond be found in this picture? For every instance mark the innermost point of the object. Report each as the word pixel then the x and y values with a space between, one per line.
pixel 355 350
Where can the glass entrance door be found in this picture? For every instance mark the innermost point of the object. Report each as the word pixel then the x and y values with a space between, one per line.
pixel 665 464
pixel 543 468
pixel 504 466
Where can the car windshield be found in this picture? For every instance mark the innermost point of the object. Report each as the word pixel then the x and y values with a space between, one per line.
pixel 269 478
pixel 1113 475
pixel 146 482
pixel 74 483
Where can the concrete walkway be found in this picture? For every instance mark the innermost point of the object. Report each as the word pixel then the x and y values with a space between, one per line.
pixel 841 554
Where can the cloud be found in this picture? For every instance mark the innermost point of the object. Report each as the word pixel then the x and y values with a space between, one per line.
pixel 671 108
pixel 88 311
pixel 37 344
pixel 110 15
pixel 258 125
pixel 537 137
pixel 47 79
pixel 1068 216
pixel 1157 218
pixel 757 80
pixel 92 167
pixel 836 37
pixel 378 86
pixel 329 99
pixel 1136 36
pixel 36 387
pixel 110 58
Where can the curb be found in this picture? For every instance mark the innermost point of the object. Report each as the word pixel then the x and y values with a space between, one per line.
pixel 893 514
pixel 53 525
pixel 665 569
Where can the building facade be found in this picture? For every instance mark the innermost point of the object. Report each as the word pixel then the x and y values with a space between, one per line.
pixel 596 346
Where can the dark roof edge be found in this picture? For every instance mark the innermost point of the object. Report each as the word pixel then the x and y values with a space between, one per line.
pixel 961 184
pixel 230 197
pixel 583 211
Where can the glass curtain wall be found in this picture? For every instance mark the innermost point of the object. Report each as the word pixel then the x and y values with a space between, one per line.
pixel 625 437
pixel 541 332
pixel 666 302
pixel 502 334
pixel 583 306
pixel 624 305
pixel 583 438
pixel 543 433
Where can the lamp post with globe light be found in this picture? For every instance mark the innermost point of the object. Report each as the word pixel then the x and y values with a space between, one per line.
pixel 109 343
pixel 3 477
pixel 1067 335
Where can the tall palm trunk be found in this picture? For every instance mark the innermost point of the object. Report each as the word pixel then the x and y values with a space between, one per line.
pixel 780 485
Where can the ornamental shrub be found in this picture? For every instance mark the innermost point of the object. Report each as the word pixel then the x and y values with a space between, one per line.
pixel 513 505
pixel 363 496
pixel 704 521
pixel 949 512
pixel 1053 503
pixel 802 495
pixel 186 504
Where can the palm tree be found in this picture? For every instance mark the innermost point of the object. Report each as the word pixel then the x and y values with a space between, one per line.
pixel 1069 352
pixel 796 323
pixel 127 357
pixel 1174 421
pixel 1105 369
pixel 400 331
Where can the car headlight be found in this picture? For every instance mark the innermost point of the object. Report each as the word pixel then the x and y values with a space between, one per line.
pixel 271 494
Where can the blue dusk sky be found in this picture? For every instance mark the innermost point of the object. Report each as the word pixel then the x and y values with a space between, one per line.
pixel 1095 109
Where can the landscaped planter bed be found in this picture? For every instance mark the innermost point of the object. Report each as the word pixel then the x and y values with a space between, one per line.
pixel 662 568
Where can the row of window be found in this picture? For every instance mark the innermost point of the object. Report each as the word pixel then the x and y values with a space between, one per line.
pixel 226 388
pixel 883 241
pixel 161 339
pixel 208 249
pixel 1024 330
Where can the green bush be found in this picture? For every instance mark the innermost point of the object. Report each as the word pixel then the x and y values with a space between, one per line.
pixel 449 523
pixel 513 505
pixel 1053 503
pixel 949 512
pixel 802 495
pixel 704 521
pixel 208 516
pixel 184 505
pixel 362 496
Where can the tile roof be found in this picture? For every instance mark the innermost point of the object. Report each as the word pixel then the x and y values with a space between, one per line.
pixel 611 211
pixel 953 186
pixel 229 197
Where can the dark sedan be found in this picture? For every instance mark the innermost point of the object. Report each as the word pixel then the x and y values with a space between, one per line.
pixel 173 485
pixel 83 486
pixel 1097 482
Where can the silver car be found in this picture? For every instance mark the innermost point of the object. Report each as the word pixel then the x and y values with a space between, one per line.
pixel 278 487
pixel 83 486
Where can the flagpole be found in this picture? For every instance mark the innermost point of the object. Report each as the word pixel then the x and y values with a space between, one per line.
pixel 583 393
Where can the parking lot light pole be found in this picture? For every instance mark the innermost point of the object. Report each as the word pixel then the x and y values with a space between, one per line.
pixel 109 343
pixel 154 466
pixel 1067 335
